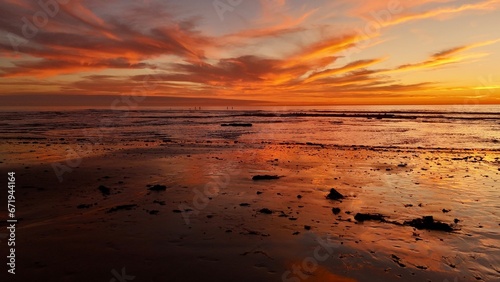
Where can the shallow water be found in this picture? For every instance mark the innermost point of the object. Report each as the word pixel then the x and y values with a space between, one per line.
pixel 477 127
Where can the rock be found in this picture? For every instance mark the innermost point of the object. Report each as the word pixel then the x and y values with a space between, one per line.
pixel 283 214
pixel 456 220
pixel 265 177
pixel 334 195
pixel 428 223
pixel 244 205
pixel 84 206
pixel 259 192
pixel 266 211
pixel 307 227
pixel 335 211
pixel 445 210
pixel 161 203
pixel 369 216
pixel 402 165
pixel 158 188
pixel 299 196
pixel 237 124
pixel 177 211
pixel 397 260
pixel 253 232
pixel 104 190
pixel 122 207
pixel 154 212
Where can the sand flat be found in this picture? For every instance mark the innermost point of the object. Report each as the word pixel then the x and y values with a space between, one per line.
pixel 198 227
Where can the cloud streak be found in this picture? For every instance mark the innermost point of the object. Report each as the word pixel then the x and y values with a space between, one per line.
pixel 448 56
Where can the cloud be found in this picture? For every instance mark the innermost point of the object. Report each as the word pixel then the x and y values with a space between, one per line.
pixel 367 8
pixel 448 56
pixel 271 25
pixel 349 67
pixel 77 39
pixel 287 50
pixel 443 11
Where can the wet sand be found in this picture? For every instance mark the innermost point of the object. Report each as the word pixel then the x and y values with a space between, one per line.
pixel 209 223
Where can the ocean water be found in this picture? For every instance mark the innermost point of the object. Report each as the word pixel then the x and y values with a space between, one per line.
pixel 447 127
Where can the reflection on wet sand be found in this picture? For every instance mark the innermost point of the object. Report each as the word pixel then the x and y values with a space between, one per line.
pixel 211 213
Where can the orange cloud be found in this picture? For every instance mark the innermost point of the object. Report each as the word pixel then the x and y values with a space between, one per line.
pixel 448 56
pixel 76 39
pixel 484 5
pixel 367 8
pixel 347 68
pixel 93 37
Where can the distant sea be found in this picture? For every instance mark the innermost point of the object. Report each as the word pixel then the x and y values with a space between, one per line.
pixel 447 127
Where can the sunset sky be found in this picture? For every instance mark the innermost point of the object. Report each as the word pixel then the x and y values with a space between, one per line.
pixel 287 52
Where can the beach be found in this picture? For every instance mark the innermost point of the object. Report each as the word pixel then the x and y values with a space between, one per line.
pixel 187 209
